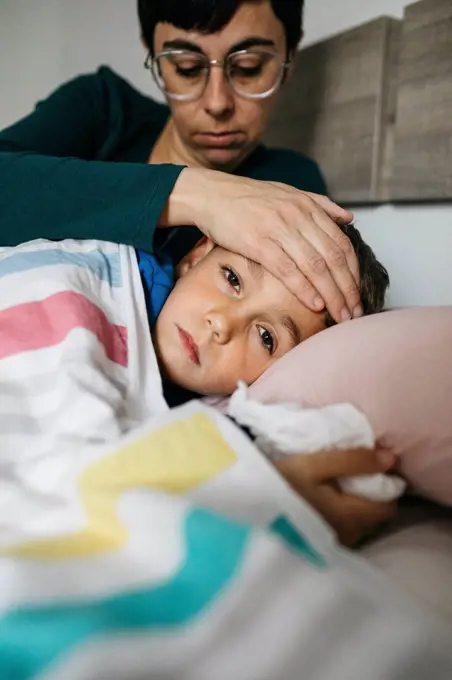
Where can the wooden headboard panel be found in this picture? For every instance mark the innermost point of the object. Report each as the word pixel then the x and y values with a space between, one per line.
pixel 422 164
pixel 373 106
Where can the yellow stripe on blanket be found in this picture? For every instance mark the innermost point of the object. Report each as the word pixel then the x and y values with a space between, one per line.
pixel 174 459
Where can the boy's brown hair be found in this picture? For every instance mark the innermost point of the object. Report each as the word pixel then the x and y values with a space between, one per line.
pixel 374 278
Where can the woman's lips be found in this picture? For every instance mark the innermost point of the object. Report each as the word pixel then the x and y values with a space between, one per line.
pixel 189 345
pixel 220 140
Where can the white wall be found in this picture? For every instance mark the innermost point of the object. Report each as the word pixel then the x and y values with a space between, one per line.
pixel 415 244
pixel 30 48
pixel 45 42
pixel 108 33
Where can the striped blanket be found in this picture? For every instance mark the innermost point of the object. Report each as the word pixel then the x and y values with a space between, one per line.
pixel 169 549
pixel 76 358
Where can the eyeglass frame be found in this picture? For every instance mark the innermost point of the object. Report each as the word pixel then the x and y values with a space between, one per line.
pixel 150 64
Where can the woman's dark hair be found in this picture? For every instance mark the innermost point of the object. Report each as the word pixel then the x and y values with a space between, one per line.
pixel 210 16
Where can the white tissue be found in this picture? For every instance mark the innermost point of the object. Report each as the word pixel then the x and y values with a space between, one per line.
pixel 290 429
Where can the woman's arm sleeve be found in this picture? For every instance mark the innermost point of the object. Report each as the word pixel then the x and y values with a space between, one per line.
pixel 50 187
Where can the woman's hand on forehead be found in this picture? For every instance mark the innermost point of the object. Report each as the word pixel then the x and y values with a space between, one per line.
pixel 293 234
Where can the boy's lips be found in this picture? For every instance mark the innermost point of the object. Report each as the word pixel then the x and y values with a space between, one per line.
pixel 189 345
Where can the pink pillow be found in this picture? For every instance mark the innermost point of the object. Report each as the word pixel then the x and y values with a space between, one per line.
pixel 396 367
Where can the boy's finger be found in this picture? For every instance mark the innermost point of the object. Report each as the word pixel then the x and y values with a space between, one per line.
pixel 352 518
pixel 326 466
pixel 370 514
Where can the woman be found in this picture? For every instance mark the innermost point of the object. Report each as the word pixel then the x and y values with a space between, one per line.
pixel 220 64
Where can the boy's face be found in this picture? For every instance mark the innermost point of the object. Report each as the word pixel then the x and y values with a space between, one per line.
pixel 226 320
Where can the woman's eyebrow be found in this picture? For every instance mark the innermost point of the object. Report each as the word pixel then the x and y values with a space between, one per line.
pixel 246 44
pixel 180 44
pixel 252 41
pixel 292 328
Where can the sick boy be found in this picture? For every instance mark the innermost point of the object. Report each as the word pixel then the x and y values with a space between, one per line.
pixel 227 319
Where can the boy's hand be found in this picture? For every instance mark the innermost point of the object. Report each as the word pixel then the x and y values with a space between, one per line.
pixel 314 477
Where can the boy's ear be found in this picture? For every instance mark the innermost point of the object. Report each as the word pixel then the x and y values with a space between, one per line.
pixel 195 256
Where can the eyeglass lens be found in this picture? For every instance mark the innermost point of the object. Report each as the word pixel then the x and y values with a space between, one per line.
pixel 185 74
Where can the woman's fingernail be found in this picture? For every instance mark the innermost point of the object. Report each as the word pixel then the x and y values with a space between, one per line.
pixel 357 312
pixel 319 303
pixel 387 458
pixel 345 315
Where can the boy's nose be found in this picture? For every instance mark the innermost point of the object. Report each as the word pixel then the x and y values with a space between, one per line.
pixel 221 327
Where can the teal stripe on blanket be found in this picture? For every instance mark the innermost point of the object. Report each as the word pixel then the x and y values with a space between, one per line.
pixel 31 638
pixel 105 266
pixel 284 528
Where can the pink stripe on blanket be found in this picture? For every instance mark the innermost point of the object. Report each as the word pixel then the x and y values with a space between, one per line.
pixel 36 325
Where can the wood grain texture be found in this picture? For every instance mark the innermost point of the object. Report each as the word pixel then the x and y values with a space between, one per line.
pixel 422 164
pixel 338 108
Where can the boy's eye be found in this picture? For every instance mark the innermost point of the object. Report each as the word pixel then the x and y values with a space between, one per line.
pixel 266 339
pixel 232 278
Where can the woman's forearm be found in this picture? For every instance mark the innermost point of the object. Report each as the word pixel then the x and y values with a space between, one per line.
pixel 57 198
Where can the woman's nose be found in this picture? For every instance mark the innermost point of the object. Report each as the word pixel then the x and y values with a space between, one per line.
pixel 218 95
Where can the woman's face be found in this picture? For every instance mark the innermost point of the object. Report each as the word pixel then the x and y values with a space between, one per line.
pixel 219 129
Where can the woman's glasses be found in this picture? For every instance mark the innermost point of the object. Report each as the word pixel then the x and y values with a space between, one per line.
pixel 183 74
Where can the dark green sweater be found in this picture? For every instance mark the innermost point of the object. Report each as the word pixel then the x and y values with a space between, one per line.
pixel 77 168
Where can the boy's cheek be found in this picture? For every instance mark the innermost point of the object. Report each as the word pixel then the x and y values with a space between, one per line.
pixel 244 367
